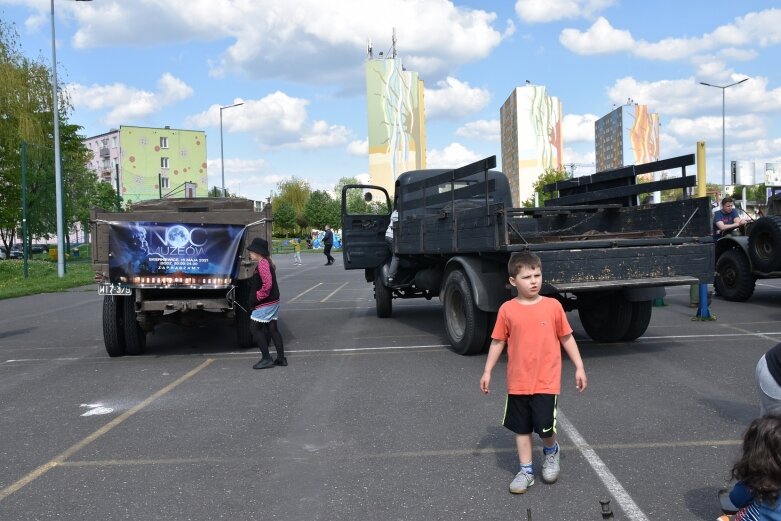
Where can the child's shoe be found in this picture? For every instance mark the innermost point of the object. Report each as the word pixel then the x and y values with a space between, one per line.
pixel 281 360
pixel 550 466
pixel 521 482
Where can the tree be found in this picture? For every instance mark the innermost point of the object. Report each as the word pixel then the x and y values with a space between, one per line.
pixel 356 204
pixel 321 209
pixel 549 176
pixel 296 192
pixel 26 115
pixel 284 217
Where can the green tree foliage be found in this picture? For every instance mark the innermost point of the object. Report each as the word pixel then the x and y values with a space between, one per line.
pixel 549 176
pixel 356 204
pixel 284 218
pixel 322 209
pixel 26 107
pixel 296 192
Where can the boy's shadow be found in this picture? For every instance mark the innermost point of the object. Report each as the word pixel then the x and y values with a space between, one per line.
pixel 502 443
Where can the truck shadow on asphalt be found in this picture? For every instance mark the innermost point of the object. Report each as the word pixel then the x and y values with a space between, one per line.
pixel 16 332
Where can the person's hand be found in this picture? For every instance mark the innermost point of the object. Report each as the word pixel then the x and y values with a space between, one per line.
pixel 485 381
pixel 581 382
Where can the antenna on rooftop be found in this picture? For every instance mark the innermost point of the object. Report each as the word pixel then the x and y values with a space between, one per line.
pixel 369 51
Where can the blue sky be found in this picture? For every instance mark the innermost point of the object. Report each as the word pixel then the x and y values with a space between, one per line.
pixel 298 67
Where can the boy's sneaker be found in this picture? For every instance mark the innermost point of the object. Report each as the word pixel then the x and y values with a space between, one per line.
pixel 521 483
pixel 550 467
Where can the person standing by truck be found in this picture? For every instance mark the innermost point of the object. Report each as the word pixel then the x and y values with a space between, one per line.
pixel 394 265
pixel 264 295
pixel 534 329
pixel 328 243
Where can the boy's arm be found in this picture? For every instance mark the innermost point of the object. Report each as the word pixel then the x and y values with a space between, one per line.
pixel 571 347
pixel 494 352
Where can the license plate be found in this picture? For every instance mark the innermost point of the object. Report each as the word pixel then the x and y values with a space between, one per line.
pixel 113 289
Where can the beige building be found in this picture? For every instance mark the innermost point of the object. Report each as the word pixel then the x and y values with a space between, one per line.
pixel 531 138
pixel 397 124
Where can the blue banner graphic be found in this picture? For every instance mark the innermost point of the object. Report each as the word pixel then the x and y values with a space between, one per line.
pixel 154 255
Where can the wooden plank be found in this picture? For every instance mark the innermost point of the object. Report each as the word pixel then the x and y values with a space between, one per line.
pixel 623 191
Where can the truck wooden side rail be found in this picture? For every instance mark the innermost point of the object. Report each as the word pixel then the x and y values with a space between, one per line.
pixel 602 253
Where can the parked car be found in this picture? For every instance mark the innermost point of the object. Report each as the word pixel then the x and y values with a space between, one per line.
pixel 38 248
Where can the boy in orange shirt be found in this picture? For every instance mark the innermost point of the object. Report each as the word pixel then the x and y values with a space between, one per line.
pixel 534 328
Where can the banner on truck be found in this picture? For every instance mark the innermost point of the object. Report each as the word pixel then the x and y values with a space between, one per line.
pixel 151 254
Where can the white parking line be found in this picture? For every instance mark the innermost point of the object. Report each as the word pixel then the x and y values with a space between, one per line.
pixel 615 488
pixel 334 292
pixel 305 292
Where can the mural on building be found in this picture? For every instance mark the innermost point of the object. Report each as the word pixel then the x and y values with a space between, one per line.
pixel 643 135
pixel 532 140
pixel 397 136
pixel 161 160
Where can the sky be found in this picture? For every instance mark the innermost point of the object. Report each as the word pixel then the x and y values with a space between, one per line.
pixel 298 68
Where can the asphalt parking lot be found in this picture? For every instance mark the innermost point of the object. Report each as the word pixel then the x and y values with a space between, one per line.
pixel 373 418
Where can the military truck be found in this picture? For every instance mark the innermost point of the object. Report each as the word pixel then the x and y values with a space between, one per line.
pixel 751 254
pixel 174 260
pixel 603 254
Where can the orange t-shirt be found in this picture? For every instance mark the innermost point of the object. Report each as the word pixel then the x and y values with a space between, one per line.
pixel 532 333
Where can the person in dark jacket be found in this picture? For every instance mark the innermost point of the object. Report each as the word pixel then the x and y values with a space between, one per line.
pixel 768 375
pixel 328 243
pixel 264 303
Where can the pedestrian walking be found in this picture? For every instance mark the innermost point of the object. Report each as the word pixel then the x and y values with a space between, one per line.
pixel 328 243
pixel 534 329
pixel 297 251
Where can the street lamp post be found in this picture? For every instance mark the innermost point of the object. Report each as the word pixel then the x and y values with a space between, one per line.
pixel 222 158
pixel 723 133
pixel 57 164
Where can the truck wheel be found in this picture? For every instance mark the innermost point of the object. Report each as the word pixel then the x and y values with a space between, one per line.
pixel 606 318
pixel 113 325
pixel 764 244
pixel 383 298
pixel 242 317
pixel 135 337
pixel 465 324
pixel 735 281
pixel 641 317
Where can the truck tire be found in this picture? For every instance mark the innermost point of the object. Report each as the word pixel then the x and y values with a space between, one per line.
pixel 764 244
pixel 466 325
pixel 242 318
pixel 135 337
pixel 113 325
pixel 606 318
pixel 383 298
pixel 641 317
pixel 735 281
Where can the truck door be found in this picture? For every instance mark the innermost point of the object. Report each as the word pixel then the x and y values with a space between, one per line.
pixel 366 213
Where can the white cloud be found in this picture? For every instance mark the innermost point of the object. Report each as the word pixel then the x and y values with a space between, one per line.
pixel 534 11
pixel 578 127
pixel 745 127
pixel 127 104
pixel 760 28
pixel 358 148
pixel 600 38
pixel 306 40
pixel 452 156
pixel 687 96
pixel 454 99
pixel 276 120
pixel 487 130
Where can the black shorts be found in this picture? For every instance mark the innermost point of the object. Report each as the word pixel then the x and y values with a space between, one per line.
pixel 524 413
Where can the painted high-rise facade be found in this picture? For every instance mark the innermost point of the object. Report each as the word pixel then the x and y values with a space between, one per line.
pixel 397 124
pixel 532 141
pixel 152 161
pixel 629 135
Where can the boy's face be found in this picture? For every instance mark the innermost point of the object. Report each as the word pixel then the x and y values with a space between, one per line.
pixel 528 282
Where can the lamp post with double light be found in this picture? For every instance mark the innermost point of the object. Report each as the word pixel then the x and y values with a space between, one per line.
pixel 723 132
pixel 222 158
pixel 57 165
